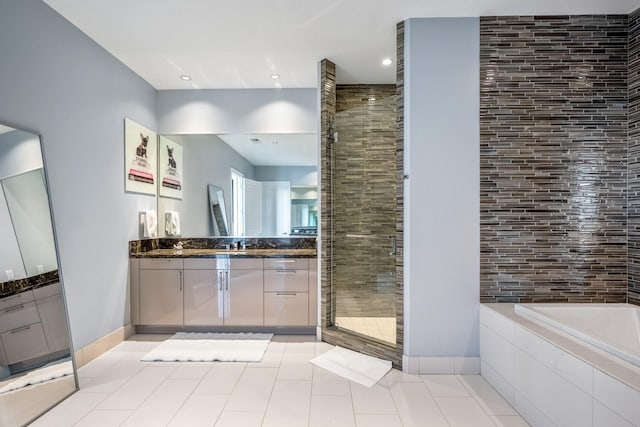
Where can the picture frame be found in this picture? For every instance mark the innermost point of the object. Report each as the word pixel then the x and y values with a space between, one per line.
pixel 140 164
pixel 170 168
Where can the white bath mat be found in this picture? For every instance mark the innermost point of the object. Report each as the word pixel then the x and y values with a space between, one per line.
pixel 209 347
pixel 40 375
pixel 360 368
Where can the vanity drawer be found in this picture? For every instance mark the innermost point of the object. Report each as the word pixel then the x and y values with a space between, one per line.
pixel 206 263
pixel 161 263
pixel 286 308
pixel 18 316
pixel 286 280
pixel 286 263
pixel 24 343
pixel 47 291
pixel 16 299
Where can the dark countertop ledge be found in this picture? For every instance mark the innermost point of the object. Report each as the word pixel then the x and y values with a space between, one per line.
pixel 226 253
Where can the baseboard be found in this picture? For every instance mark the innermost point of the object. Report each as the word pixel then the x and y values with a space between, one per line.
pixel 87 353
pixel 425 365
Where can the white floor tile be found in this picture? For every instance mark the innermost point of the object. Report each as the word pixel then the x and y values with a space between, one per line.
pixel 463 412
pixel 104 418
pixel 253 390
pixel 378 420
pixel 336 411
pixel 71 410
pixel 415 405
pixel 137 389
pixel 221 378
pixel 199 410
pixel 112 377
pixel 444 386
pixel 191 371
pixel 289 404
pixel 372 400
pixel 395 376
pixel 488 398
pixel 325 382
pixel 240 419
pixel 510 421
pixel 161 406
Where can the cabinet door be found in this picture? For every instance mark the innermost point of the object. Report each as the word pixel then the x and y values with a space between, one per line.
pixel 54 322
pixel 244 297
pixel 161 297
pixel 203 297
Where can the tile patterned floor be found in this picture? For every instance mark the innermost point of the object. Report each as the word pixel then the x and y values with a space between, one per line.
pixel 382 328
pixel 282 390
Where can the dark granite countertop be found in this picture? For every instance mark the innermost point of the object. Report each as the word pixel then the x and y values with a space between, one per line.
pixel 217 253
pixel 13 287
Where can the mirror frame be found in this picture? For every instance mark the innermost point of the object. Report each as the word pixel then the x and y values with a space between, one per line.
pixel 26 417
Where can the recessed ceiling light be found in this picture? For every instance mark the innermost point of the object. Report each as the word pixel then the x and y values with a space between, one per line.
pixel 185 77
pixel 386 61
pixel 274 76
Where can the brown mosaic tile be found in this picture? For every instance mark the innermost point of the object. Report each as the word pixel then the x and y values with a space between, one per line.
pixel 553 162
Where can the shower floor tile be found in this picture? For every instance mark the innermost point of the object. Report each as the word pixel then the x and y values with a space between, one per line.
pixel 382 328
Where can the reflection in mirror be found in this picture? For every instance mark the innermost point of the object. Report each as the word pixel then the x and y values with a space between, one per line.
pixel 36 366
pixel 258 174
pixel 218 211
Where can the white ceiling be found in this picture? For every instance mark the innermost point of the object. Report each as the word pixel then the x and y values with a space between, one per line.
pixel 239 43
pixel 293 149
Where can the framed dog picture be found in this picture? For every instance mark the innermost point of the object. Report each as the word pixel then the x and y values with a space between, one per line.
pixel 170 168
pixel 141 166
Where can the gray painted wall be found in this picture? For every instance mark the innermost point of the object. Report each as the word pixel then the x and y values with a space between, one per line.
pixel 297 175
pixel 442 194
pixel 57 82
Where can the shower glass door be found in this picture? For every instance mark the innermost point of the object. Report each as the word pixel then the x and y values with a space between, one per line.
pixel 363 226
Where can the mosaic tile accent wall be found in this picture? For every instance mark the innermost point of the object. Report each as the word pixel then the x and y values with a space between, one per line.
pixel 553 162
pixel 634 158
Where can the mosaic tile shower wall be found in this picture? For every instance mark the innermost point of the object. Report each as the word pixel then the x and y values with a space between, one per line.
pixel 634 158
pixel 553 162
pixel 364 200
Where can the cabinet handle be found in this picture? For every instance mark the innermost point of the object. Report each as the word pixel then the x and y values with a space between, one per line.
pixel 285 261
pixel 14 308
pixel 226 279
pixel 180 280
pixel 22 329
pixel 291 294
pixel 219 281
pixel 286 271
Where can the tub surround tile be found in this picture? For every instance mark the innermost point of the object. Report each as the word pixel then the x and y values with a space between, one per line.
pixel 553 158
pixel 633 161
pixel 557 380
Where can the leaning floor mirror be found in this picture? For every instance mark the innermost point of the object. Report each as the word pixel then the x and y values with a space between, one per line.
pixel 37 370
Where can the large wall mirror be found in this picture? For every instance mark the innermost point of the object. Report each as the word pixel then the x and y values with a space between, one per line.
pixel 267 185
pixel 36 358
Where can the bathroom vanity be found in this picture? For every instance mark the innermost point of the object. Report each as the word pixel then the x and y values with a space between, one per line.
pixel 209 288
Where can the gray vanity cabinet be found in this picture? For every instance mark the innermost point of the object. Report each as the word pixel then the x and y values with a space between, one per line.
pixel 244 293
pixel 54 321
pixel 161 287
pixel 203 291
pixel 286 296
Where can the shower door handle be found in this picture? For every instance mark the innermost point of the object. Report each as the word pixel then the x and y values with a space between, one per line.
pixel 393 246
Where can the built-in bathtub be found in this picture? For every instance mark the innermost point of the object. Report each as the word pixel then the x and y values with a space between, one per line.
pixel 614 328
pixel 564 364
